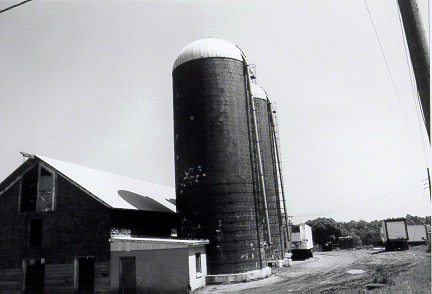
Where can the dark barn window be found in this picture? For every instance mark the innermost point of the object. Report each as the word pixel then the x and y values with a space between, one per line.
pixel 29 190
pixel 35 232
pixel 37 190
pixel 45 199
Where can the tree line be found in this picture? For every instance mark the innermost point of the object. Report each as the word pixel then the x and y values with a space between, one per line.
pixel 362 232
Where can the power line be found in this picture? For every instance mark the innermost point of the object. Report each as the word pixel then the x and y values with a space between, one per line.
pixel 371 201
pixel 388 68
pixel 13 6
pixel 374 199
pixel 380 199
pixel 358 207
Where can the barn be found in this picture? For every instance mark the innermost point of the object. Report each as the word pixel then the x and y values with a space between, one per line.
pixel 61 226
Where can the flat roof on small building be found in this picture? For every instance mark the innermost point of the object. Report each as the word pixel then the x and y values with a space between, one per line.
pixel 124 243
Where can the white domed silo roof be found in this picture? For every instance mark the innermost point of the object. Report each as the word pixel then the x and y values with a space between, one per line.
pixel 206 48
pixel 258 92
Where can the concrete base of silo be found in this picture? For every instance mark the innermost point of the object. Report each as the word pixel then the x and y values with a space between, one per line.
pixel 239 278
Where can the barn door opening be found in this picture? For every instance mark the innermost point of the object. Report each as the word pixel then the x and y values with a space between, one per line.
pixel 34 273
pixel 127 275
pixel 86 275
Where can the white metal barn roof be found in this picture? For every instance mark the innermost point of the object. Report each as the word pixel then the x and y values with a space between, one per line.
pixel 114 190
pixel 206 48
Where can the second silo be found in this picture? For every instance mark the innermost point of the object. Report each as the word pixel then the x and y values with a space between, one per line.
pixel 268 154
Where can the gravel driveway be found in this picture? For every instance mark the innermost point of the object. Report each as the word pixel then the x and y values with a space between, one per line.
pixel 345 272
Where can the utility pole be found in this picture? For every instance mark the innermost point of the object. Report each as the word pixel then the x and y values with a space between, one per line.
pixel 430 194
pixel 419 53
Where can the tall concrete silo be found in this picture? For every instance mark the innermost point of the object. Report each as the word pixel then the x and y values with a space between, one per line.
pixel 215 162
pixel 268 154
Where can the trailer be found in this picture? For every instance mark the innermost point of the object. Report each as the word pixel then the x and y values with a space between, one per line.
pixel 301 242
pixel 417 234
pixel 394 234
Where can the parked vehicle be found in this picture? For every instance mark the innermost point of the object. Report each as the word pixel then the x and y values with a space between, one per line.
pixel 301 241
pixel 346 242
pixel 394 234
pixel 327 246
pixel 417 234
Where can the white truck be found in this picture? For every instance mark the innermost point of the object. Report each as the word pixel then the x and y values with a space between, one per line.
pixel 394 234
pixel 417 234
pixel 301 241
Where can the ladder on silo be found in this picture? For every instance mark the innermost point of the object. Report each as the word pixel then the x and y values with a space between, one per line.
pixel 255 137
pixel 256 146
pixel 254 161
pixel 275 124
pixel 273 149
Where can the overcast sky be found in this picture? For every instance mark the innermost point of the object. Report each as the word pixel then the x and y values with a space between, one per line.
pixel 89 82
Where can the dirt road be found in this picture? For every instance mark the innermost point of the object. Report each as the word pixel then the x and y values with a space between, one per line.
pixel 344 272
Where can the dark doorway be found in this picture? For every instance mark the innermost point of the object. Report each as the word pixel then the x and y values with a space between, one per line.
pixel 34 276
pixel 127 275
pixel 86 275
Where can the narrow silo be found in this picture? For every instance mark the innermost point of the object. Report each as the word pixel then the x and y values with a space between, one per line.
pixel 268 155
pixel 213 158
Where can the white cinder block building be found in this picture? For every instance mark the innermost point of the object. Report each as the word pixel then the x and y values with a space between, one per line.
pixel 146 265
